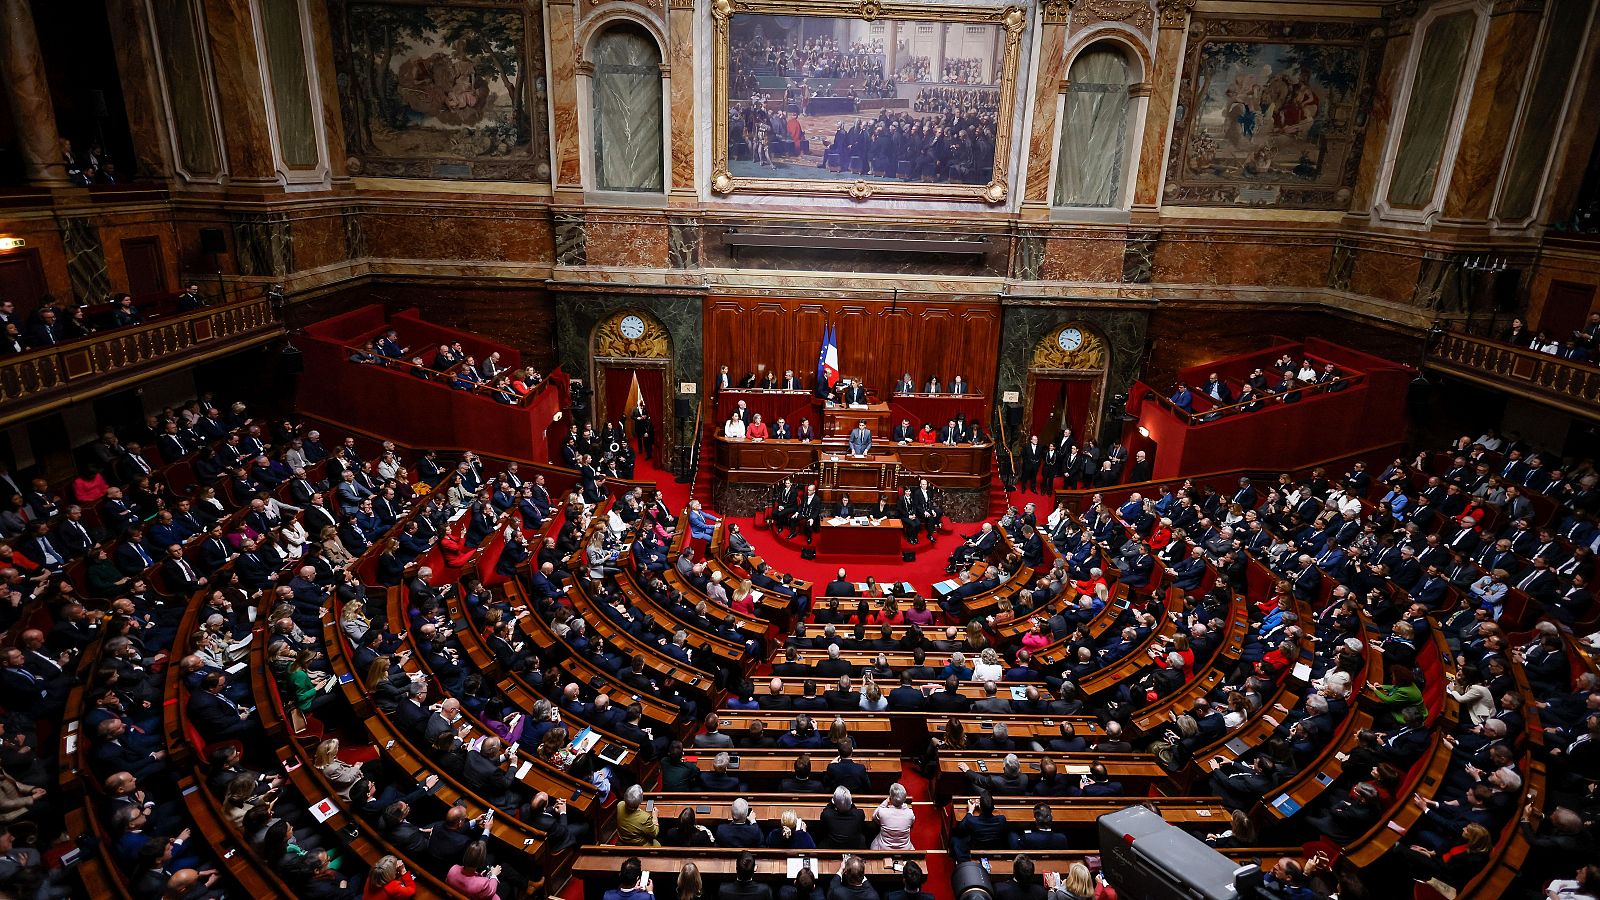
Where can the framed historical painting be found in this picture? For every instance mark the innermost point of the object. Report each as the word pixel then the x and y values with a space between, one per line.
pixel 1272 113
pixel 448 90
pixel 863 99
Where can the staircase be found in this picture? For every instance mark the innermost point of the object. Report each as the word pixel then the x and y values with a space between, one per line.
pixel 700 489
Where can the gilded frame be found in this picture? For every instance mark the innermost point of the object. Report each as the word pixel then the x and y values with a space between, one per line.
pixel 1011 19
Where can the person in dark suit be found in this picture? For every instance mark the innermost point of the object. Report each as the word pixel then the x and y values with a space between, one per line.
pixel 1042 835
pixel 845 772
pixel 1021 885
pixel 744 885
pixel 948 700
pixel 905 696
pixel 980 829
pixel 218 718
pixel 840 586
pixel 740 832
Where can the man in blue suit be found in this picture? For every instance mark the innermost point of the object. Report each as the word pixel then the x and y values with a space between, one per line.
pixel 701 523
pixel 1182 398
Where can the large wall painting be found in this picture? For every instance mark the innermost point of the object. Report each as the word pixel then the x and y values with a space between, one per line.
pixel 442 91
pixel 1271 113
pixel 862 98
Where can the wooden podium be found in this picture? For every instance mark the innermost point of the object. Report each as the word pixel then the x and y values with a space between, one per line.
pixel 862 478
pixel 837 421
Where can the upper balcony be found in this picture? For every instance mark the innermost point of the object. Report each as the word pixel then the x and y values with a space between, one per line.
pixel 1569 385
pixel 41 380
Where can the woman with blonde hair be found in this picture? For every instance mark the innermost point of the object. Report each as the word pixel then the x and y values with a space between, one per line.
pixel 388 878
pixel 989 667
pixel 343 775
pixel 333 549
pixel 354 620
pixel 790 834
pixel 1077 884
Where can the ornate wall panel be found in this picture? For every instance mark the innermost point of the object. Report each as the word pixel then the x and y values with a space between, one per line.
pixel 878 340
pixel 1271 112
pixel 442 90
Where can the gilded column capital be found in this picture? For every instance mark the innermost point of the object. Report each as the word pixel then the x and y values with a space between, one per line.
pixel 1174 12
pixel 1056 12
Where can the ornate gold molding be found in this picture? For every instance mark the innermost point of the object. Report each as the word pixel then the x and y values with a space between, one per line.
pixel 1012 20
pixel 1134 12
pixel 609 341
pixel 1090 355
pixel 1056 12
pixel 1174 12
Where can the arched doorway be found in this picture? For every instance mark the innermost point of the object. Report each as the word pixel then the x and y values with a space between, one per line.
pixel 1066 381
pixel 632 344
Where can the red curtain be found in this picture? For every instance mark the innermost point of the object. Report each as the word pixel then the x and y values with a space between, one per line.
pixel 618 379
pixel 1047 398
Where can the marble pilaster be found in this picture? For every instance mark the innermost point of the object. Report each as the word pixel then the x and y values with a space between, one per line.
pixel 1048 72
pixel 243 102
pixel 321 54
pixel 560 22
pixel 572 247
pixel 1163 87
pixel 1396 48
pixel 141 92
pixel 28 93
pixel 683 115
pixel 1496 92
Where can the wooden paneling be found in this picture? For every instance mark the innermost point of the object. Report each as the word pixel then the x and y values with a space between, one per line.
pixel 22 280
pixel 875 343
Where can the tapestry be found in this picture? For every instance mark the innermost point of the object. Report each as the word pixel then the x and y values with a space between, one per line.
pixel 1271 113
pixel 442 91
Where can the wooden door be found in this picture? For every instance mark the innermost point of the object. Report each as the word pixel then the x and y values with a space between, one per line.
pixel 1566 306
pixel 142 262
pixel 22 280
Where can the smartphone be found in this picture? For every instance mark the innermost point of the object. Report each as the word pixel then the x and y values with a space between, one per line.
pixel 733 762
pixel 290 764
pixel 983 766
pixel 650 806
pixel 389 745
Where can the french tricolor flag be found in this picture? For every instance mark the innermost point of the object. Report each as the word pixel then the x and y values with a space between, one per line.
pixel 828 362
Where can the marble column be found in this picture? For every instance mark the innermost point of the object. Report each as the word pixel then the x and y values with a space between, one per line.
pixel 1162 84
pixel 941 38
pixel 28 92
pixel 242 95
pixel 1496 95
pixel 1048 70
pixel 682 115
pixel 566 146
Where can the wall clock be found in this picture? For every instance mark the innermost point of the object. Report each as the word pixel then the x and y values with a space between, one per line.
pixel 1070 339
pixel 632 327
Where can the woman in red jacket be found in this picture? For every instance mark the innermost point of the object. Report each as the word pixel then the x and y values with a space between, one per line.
pixel 388 879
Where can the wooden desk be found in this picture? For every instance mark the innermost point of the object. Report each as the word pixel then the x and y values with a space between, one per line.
pixel 768 765
pixel 964 467
pixel 878 541
pixel 837 420
pixel 876 473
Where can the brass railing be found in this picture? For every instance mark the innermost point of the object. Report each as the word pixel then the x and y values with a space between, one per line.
pixel 1572 385
pixel 104 355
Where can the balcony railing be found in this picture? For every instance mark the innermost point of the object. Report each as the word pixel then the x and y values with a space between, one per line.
pixel 86 366
pixel 1570 385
